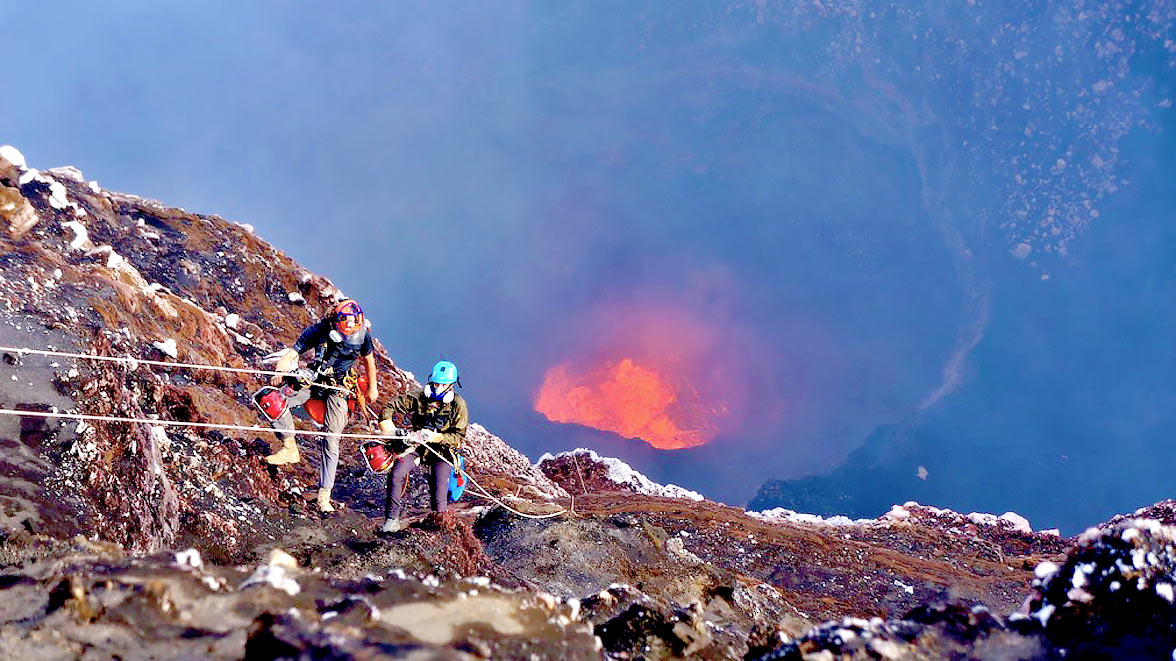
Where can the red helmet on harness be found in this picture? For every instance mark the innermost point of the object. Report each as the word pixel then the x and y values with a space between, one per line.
pixel 347 316
pixel 272 401
pixel 377 457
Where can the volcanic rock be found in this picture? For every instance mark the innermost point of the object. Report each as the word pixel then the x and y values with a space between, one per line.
pixel 1163 511
pixel 86 605
pixel 16 211
pixel 12 164
pixel 1112 598
pixel 150 538
pixel 584 471
pixel 1114 595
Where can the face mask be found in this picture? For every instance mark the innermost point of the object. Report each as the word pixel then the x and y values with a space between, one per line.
pixel 432 394
pixel 338 337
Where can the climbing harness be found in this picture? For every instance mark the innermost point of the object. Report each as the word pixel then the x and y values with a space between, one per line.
pixel 356 385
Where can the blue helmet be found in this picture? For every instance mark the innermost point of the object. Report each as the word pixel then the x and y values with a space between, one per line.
pixel 444 373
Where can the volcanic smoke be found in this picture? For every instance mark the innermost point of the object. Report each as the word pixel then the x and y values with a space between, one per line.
pixel 632 400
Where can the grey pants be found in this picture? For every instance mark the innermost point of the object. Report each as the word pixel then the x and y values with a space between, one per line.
pixel 398 479
pixel 334 420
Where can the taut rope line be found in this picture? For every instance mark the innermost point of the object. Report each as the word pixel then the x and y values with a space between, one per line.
pixel 136 361
pixel 481 491
pixel 144 361
pixel 181 423
pixel 485 494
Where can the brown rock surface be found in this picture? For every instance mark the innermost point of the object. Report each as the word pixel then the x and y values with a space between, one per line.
pixel 91 514
pixel 16 212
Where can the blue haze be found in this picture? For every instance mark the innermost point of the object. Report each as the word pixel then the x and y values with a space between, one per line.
pixel 956 217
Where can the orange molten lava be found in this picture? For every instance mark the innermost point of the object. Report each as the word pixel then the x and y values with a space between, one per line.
pixel 625 398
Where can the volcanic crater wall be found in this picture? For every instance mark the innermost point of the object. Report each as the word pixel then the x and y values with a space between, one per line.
pixel 86 270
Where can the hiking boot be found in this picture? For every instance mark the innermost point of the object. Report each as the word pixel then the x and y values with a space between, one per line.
pixel 287 455
pixel 324 501
pixel 393 525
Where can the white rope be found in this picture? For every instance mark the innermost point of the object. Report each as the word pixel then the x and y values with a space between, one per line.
pixel 136 361
pixel 181 423
pixel 484 493
pixel 480 491
pixel 142 361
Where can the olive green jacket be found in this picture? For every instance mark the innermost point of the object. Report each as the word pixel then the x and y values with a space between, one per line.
pixel 414 411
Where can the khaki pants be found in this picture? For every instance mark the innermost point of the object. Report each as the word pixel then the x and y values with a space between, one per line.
pixel 334 420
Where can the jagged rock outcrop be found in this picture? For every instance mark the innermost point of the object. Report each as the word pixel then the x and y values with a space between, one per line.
pixel 584 471
pixel 120 275
pixel 1112 598
pixel 501 464
pixel 1163 511
pixel 950 631
pixel 1114 594
pixel 14 208
pixel 761 575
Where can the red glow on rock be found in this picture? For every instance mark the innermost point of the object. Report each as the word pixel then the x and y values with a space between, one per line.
pixel 629 399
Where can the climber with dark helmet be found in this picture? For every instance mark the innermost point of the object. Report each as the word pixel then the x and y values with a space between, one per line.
pixel 338 340
pixel 435 420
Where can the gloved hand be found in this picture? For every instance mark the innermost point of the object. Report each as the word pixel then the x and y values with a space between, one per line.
pixel 434 437
pixel 397 445
pixel 284 360
pixel 297 375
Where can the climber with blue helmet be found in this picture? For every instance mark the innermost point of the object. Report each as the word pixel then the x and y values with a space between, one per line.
pixel 338 340
pixel 436 419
